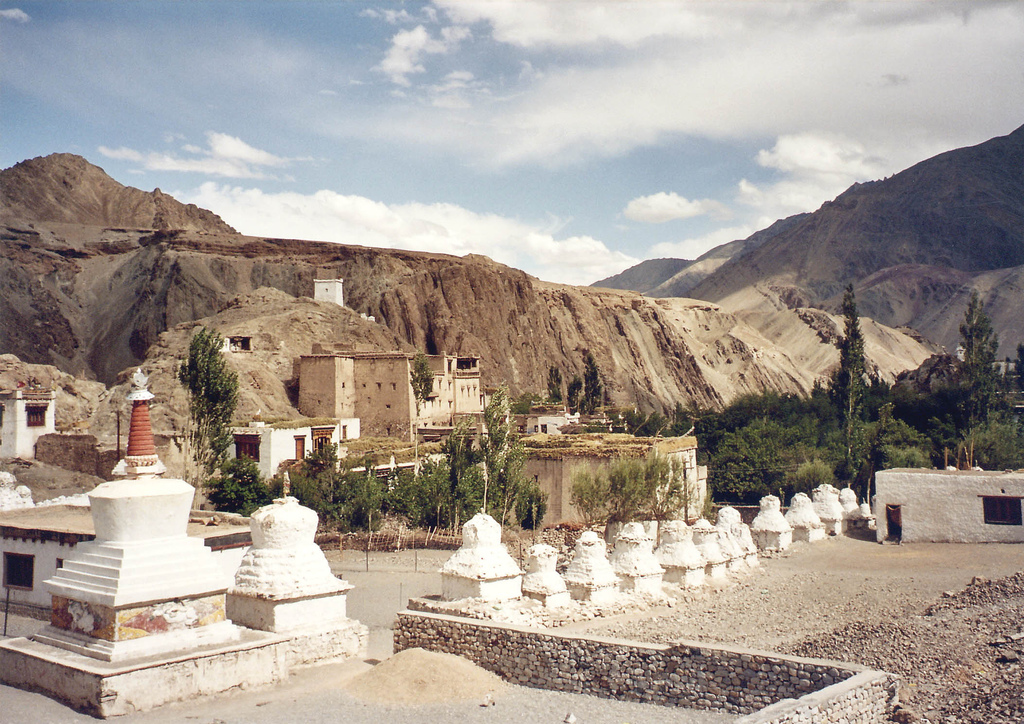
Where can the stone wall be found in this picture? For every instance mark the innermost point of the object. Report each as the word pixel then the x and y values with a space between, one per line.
pixel 685 674
pixel 77 453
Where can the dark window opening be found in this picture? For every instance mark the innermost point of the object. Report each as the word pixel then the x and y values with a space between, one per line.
pixel 36 416
pixel 300 447
pixel 248 446
pixel 19 570
pixel 1001 511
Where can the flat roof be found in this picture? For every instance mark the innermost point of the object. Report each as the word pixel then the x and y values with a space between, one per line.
pixel 71 524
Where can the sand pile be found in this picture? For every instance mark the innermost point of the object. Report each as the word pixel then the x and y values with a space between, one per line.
pixel 416 676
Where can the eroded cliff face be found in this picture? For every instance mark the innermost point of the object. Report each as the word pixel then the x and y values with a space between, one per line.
pixel 95 301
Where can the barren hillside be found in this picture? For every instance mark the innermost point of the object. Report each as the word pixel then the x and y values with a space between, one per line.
pixel 94 300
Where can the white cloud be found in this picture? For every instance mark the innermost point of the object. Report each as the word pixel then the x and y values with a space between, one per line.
pixel 895 77
pixel 444 228
pixel 661 207
pixel 816 167
pixel 15 14
pixel 409 46
pixel 226 156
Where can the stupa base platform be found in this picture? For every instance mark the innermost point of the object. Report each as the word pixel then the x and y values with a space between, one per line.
pixel 107 689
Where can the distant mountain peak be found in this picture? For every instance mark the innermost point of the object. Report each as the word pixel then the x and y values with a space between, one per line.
pixel 66 188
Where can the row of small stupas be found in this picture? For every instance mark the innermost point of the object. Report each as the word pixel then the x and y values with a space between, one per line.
pixel 829 512
pixel 685 557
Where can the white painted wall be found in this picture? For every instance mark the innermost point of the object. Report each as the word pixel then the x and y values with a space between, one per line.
pixel 943 506
pixel 278 444
pixel 46 554
pixel 17 439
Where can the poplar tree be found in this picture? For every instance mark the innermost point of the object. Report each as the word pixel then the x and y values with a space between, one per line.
pixel 981 378
pixel 592 387
pixel 212 389
pixel 847 386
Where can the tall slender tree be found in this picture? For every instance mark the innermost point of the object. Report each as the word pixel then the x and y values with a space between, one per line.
pixel 981 378
pixel 554 384
pixel 421 377
pixel 847 386
pixel 212 389
pixel 592 387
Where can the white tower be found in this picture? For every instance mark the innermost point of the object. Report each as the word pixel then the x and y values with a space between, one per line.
pixel 329 290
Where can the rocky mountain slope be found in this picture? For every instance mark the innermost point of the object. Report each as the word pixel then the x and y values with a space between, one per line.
pixel 913 245
pixel 95 300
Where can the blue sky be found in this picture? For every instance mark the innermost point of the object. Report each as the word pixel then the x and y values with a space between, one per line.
pixel 567 139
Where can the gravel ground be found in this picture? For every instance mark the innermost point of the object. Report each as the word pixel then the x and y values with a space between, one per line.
pixel 904 609
pixel 908 609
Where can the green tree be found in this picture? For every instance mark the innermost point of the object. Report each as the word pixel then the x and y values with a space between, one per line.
pixel 503 457
pixel 981 378
pixel 240 487
pixel 421 377
pixel 554 384
pixel 464 495
pixel 590 494
pixel 212 389
pixel 847 385
pixel 808 476
pixel 573 393
pixel 592 386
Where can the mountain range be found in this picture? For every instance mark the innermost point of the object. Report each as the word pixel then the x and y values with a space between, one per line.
pixel 99 278
pixel 914 246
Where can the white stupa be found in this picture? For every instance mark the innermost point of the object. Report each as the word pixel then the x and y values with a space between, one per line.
pixel 770 530
pixel 705 537
pixel 481 568
pixel 542 581
pixel 829 509
pixel 807 526
pixel 590 576
pixel 143 587
pixel 729 519
pixel 634 561
pixel 677 554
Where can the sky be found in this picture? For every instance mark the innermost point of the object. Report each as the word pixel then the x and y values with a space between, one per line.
pixel 570 140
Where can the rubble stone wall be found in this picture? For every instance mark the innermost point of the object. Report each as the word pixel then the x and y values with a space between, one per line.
pixel 685 674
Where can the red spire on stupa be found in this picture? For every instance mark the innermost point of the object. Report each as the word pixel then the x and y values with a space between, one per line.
pixel 140 458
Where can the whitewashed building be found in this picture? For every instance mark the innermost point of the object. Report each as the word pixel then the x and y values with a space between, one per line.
pixel 949 506
pixel 26 414
pixel 269 445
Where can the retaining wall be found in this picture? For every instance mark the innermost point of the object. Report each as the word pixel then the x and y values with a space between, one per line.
pixel 771 688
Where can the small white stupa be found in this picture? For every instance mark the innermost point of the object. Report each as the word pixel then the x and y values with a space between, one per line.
pixel 829 509
pixel 285 585
pixel 770 530
pixel 590 576
pixel 542 581
pixel 705 537
pixel 633 560
pixel 807 526
pixel 677 554
pixel 481 568
pixel 143 587
pixel 729 519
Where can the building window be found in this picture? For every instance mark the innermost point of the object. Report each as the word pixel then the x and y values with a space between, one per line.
pixel 1001 511
pixel 36 415
pixel 300 447
pixel 344 432
pixel 18 570
pixel 248 446
pixel 322 438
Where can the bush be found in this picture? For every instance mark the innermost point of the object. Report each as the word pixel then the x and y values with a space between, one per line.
pixel 240 487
